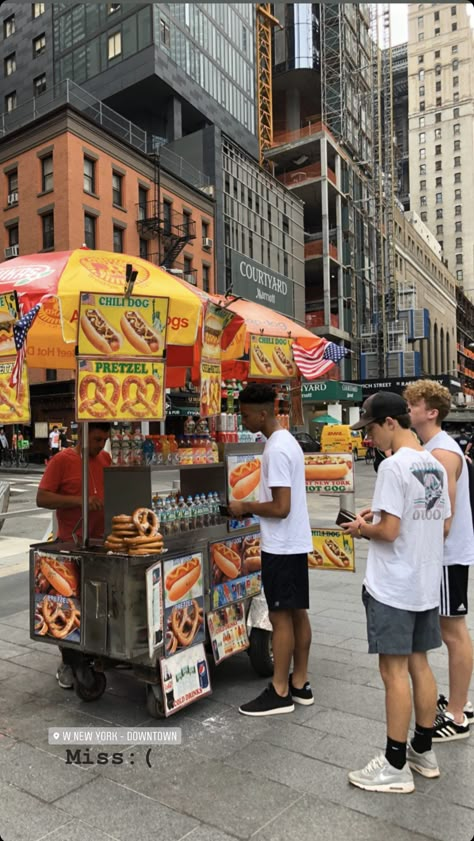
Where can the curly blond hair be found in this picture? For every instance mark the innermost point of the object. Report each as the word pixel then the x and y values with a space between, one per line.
pixel 436 396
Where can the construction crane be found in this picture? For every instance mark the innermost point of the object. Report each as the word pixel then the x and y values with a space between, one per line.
pixel 265 22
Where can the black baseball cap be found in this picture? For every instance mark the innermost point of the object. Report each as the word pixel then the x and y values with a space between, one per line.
pixel 382 404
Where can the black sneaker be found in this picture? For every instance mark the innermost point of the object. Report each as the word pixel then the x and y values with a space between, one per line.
pixel 468 708
pixel 446 729
pixel 268 703
pixel 301 696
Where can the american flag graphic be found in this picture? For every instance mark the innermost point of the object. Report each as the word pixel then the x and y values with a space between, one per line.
pixel 20 332
pixel 316 361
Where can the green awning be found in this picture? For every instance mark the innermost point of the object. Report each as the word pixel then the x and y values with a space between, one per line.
pixel 325 419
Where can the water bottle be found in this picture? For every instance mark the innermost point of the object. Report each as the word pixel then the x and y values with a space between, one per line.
pixel 167 524
pixel 174 518
pixel 198 511
pixel 205 511
pixel 181 520
pixel 190 515
pixel 212 509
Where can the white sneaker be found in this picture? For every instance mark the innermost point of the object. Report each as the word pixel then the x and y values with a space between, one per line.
pixel 424 763
pixel 379 775
pixel 65 677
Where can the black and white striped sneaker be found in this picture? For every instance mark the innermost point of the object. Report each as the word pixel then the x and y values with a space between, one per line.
pixel 447 730
pixel 468 708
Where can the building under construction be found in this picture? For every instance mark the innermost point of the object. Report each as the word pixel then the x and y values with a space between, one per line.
pixel 334 147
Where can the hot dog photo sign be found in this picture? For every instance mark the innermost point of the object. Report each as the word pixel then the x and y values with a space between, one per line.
pixel 184 602
pixel 14 405
pixel 329 473
pixel 125 389
pixel 271 357
pixel 332 549
pixel 114 325
pixel 235 569
pixel 8 316
pixel 56 597
pixel 243 477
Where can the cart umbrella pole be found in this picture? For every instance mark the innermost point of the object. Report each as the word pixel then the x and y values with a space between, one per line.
pixel 85 484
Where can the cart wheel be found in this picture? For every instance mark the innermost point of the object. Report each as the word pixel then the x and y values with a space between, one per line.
pixel 94 692
pixel 154 701
pixel 261 651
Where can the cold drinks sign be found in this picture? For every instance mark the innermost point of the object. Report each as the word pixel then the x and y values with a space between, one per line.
pixel 256 282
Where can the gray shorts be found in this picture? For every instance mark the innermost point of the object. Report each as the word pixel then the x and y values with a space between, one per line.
pixel 394 631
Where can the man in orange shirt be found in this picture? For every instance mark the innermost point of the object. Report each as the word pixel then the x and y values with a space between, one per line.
pixel 61 490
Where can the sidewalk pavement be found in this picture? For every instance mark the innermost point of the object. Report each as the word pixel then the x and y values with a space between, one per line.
pixel 270 779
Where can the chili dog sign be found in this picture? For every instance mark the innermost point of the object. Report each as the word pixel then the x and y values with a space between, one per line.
pixel 210 396
pixel 332 549
pixel 126 389
pixel 116 325
pixel 271 358
pixel 329 473
pixel 14 408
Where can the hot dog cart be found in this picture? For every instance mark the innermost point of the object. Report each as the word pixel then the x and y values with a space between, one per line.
pixel 105 609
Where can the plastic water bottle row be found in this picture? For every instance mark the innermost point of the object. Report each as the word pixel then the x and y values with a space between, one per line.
pixel 178 515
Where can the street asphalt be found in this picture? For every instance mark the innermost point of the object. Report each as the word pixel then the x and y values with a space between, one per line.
pixel 276 779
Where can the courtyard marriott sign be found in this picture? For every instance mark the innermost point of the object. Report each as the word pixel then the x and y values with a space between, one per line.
pixel 255 282
pixel 330 390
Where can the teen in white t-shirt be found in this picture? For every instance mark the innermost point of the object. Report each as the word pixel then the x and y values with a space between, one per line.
pixel 285 541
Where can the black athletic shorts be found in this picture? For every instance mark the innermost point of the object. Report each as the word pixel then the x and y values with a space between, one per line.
pixel 454 585
pixel 285 581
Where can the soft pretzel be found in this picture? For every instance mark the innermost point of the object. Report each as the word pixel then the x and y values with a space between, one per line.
pixel 185 623
pixel 145 521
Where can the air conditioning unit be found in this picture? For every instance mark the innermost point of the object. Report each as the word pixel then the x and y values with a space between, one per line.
pixel 12 251
pixel 190 278
pixel 207 243
pixel 12 199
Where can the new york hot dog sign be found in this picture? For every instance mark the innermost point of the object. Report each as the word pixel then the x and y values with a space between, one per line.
pixel 329 473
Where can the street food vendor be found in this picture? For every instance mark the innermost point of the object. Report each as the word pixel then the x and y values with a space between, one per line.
pixel 60 489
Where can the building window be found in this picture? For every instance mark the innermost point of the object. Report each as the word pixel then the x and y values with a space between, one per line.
pixel 457 210
pixel 89 175
pixel 436 15
pixel 438 149
pixel 47 182
pixel 421 90
pixel 438 117
pixel 438 86
pixel 438 166
pixel 422 186
pixel 422 169
pixel 457 177
pixel 47 222
pixel 458 227
pixel 187 223
pixel 10 64
pixel 455 65
pixel 422 154
pixel 454 49
pixel 439 213
pixel 456 96
pixel 167 211
pixel 439 198
pixel 421 122
pixel 439 181
pixel 13 237
pixel 421 75
pixel 424 216
pixel 455 113
pixel 143 249
pixel 89 230
pixel 423 201
pixel 118 239
pixel 37 9
pixel 422 137
pixel 12 181
pixel 453 10
pixel 206 283
pixel 441 244
pixel 437 55
pixel 420 22
pixel 457 145
pixel 459 274
pixel 421 36
pixel 438 70
pixel 437 134
pixel 9 27
pixel 458 243
pixel 188 269
pixel 454 26
pixel 10 101
pixel 459 259
pixel 439 230
pixel 205 229
pixel 165 36
pixel 457 128
pixel 422 105
pixel 112 8
pixel 114 45
pixel 437 31
pixel 117 183
pixel 455 81
pixel 39 85
pixel 438 102
pixel 421 59
pixel 142 202
pixel 39 45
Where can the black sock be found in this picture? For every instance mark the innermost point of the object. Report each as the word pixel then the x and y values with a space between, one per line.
pixel 422 740
pixel 396 753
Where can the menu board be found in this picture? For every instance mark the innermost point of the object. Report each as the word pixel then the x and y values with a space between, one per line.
pixel 210 399
pixel 120 390
pixel 13 408
pixel 228 631
pixel 332 549
pixel 243 477
pixel 329 473
pixel 184 602
pixel 57 597
pixel 271 357
pixel 8 315
pixel 214 322
pixel 154 604
pixel 184 678
pixel 235 569
pixel 113 325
